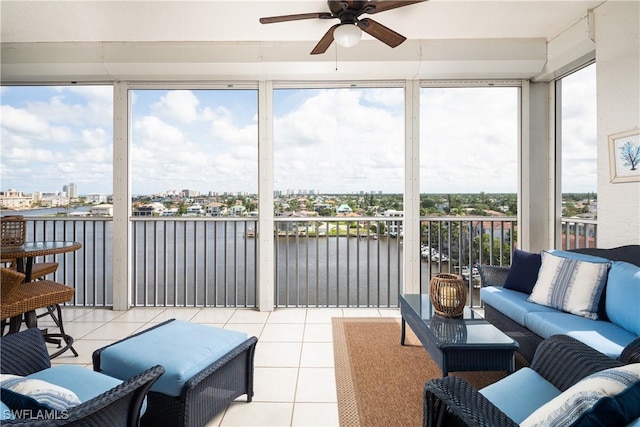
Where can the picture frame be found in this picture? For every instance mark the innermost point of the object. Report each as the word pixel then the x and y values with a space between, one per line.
pixel 624 156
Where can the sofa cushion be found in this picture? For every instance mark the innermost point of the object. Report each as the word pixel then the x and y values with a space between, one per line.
pixel 36 395
pixel 184 349
pixel 570 285
pixel 623 296
pixel 512 304
pixel 606 337
pixel 523 272
pixel 568 407
pixel 507 394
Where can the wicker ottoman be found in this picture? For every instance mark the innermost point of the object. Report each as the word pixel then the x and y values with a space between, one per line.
pixel 206 368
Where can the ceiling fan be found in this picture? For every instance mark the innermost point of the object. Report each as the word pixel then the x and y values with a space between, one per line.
pixel 347 32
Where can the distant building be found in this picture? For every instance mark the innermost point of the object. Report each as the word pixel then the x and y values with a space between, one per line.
pixel 53 200
pixel 214 209
pixel 102 210
pixel 96 198
pixel 151 209
pixel 195 210
pixel 190 193
pixel 13 199
pixel 71 190
pixel 343 209
pixel 394 228
pixel 237 210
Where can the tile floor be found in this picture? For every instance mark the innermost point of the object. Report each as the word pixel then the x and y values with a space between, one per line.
pixel 294 377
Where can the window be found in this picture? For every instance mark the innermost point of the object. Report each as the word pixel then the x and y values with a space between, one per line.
pixel 338 162
pixel 194 155
pixel 468 171
pixel 579 156
pixel 57 145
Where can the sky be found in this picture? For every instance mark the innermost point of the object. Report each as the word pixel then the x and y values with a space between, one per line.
pixel 328 140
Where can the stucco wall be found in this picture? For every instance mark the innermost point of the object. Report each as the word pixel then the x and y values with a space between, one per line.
pixel 617 33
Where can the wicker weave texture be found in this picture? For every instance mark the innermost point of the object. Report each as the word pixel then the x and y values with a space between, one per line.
pixel 24 297
pixel 448 294
pixel 560 359
pixel 14 230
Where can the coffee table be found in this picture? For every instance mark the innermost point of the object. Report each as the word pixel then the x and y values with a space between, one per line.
pixel 467 343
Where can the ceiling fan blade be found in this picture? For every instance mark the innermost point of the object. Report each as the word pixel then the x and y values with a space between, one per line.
pixel 325 41
pixel 298 17
pixel 377 6
pixel 382 33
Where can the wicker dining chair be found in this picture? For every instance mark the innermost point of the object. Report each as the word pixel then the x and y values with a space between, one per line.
pixel 14 233
pixel 18 299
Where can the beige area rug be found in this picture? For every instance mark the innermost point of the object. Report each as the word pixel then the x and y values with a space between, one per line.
pixel 379 382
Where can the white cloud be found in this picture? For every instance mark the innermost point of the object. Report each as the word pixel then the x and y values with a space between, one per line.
pixel 332 140
pixel 178 104
pixel 20 121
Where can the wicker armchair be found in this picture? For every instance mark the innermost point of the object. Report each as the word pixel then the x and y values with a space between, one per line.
pixel 25 353
pixel 560 359
pixel 18 299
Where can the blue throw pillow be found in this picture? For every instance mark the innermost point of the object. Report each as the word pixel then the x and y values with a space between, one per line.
pixel 523 272
pixel 618 410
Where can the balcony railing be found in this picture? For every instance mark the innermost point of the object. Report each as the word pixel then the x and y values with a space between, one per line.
pixel 319 262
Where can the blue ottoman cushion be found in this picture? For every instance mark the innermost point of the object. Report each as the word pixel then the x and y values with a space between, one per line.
pixel 184 349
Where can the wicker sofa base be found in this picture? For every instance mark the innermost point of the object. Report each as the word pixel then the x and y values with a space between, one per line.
pixel 528 340
pixel 206 393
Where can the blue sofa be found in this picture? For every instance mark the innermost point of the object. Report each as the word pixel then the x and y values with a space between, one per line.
pixel 618 315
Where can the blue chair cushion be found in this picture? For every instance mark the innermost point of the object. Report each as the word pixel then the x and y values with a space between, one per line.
pixel 85 383
pixel 512 304
pixel 622 300
pixel 520 394
pixel 5 412
pixel 182 348
pixel 523 272
pixel 604 336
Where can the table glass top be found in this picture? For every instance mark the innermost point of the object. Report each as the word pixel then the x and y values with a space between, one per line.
pixel 45 246
pixel 469 329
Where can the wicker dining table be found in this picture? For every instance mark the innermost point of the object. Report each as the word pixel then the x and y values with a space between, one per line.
pixel 24 254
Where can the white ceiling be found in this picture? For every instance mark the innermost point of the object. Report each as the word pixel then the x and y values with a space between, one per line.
pixel 98 40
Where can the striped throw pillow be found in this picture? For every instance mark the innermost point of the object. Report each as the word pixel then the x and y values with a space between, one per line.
pixel 570 285
pixel 35 394
pixel 580 398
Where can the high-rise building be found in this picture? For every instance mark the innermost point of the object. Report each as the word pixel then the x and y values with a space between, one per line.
pixel 71 190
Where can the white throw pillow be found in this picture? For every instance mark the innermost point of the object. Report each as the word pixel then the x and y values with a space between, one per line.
pixel 565 409
pixel 570 285
pixel 20 393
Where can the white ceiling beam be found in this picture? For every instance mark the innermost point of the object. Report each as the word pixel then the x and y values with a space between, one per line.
pixel 114 61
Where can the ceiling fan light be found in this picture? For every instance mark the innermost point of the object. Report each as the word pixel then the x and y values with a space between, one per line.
pixel 347 35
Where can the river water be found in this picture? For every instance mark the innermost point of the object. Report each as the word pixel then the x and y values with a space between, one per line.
pixel 214 263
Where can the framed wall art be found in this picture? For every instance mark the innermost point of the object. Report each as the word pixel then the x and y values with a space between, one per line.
pixel 624 156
